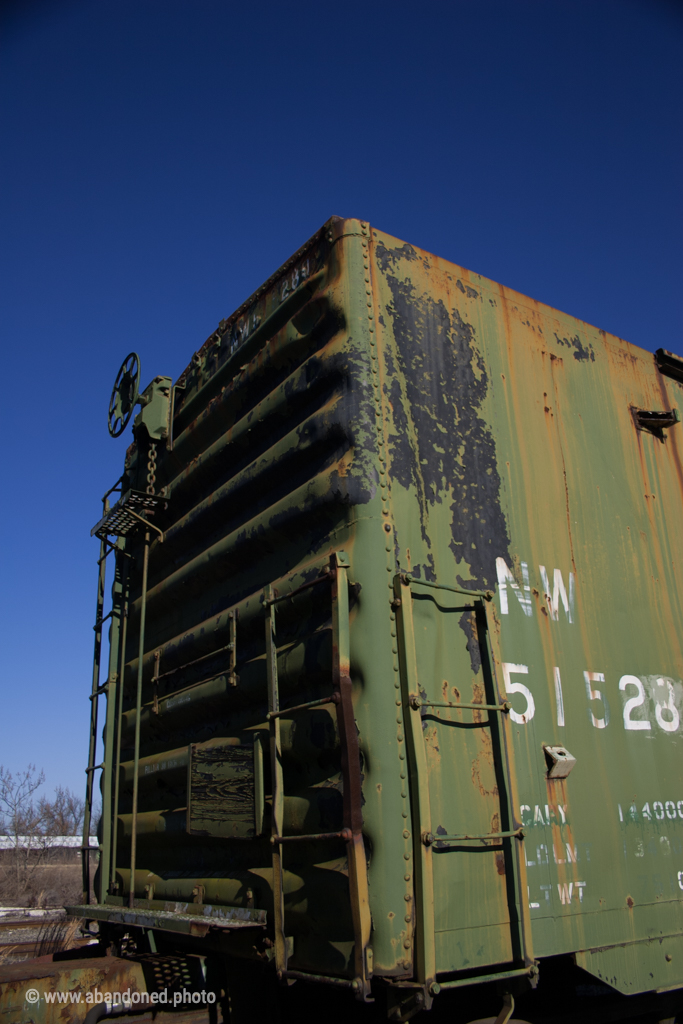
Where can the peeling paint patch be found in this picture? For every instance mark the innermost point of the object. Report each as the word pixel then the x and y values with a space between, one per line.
pixel 581 352
pixel 443 447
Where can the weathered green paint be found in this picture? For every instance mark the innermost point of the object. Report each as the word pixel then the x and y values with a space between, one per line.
pixel 376 400
pixel 156 409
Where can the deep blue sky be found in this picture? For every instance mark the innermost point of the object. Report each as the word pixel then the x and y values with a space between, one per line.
pixel 160 158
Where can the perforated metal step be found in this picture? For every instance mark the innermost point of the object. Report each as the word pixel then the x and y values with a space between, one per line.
pixel 126 515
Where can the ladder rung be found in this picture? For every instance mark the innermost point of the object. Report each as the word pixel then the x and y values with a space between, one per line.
pixel 304 586
pixel 479 979
pixel 121 552
pixel 332 699
pixel 324 979
pixel 108 551
pixel 195 661
pixel 100 689
pixel 486 595
pixel 429 837
pixel 418 702
pixel 345 834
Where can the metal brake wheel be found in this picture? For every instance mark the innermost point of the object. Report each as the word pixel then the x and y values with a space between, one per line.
pixel 124 395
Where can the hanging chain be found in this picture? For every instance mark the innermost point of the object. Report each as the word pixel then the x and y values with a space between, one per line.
pixel 151 468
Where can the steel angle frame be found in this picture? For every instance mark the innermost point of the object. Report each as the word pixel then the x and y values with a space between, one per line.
pixel 424 873
pixel 351 771
pixel 424 838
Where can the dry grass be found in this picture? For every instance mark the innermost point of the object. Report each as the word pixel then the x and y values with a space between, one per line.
pixel 49 885
pixel 54 936
pixel 7 955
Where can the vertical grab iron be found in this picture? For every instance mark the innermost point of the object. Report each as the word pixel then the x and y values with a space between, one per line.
pixel 351 771
pixel 424 880
pixel 138 708
pixel 277 786
pixel 111 688
pixel 94 694
pixel 116 761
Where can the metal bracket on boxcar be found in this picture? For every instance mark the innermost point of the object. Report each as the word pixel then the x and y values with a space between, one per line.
pixel 560 761
pixel 669 364
pixel 655 422
pixel 154 415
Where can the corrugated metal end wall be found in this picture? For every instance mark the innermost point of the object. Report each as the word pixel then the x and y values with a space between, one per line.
pixel 269 457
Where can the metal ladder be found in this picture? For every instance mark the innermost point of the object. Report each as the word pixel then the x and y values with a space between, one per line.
pixel 352 832
pixel 96 691
pixel 520 921
pixel 120 520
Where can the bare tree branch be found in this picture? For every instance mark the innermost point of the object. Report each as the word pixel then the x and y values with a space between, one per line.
pixel 22 821
pixel 62 816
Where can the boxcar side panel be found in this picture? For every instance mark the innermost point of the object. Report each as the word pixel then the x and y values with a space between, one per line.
pixel 517 463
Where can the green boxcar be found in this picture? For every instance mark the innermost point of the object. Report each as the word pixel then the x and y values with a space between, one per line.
pixel 409 702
